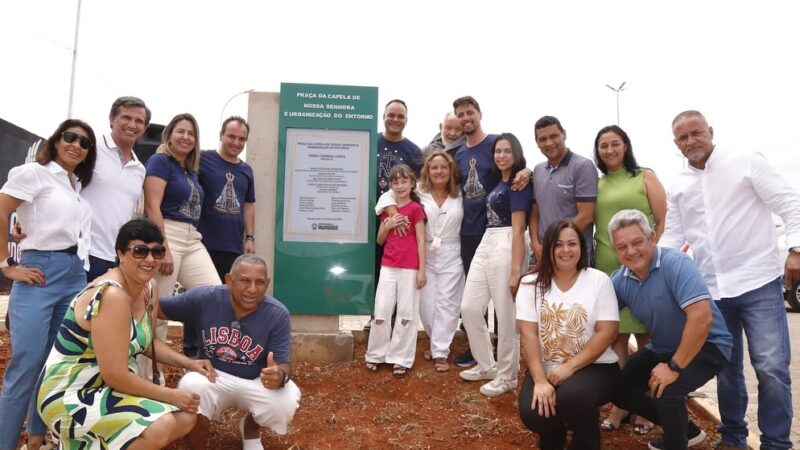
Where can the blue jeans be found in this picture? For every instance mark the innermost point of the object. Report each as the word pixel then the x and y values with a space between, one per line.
pixel 668 411
pixel 36 313
pixel 762 316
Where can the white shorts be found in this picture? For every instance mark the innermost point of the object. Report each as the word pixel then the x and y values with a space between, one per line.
pixel 271 408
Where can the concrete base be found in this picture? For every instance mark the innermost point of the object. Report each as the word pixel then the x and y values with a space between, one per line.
pixel 322 347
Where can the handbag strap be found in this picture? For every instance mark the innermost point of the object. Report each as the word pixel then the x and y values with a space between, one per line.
pixel 149 307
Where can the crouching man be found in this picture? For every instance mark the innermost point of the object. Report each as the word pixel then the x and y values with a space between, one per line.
pixel 689 342
pixel 246 335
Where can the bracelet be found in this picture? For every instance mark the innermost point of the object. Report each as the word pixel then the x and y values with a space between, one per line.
pixel 249 237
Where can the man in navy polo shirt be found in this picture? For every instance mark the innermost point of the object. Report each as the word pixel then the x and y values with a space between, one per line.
pixel 689 342
pixel 246 334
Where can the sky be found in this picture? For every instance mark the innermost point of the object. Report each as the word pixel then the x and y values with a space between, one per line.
pixel 731 60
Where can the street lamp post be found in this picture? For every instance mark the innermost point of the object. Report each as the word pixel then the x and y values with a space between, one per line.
pixel 617 90
pixel 222 113
pixel 74 60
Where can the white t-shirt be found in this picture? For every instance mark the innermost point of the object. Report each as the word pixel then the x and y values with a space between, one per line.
pixel 567 319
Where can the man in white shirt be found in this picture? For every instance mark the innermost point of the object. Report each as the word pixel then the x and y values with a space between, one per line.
pixel 117 181
pixel 722 206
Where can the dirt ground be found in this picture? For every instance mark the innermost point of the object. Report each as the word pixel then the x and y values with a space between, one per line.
pixel 346 407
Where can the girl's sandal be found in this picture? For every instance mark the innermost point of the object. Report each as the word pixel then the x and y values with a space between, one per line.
pixel 372 367
pixel 440 364
pixel 399 371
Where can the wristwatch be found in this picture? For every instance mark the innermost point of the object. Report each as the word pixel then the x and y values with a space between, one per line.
pixel 285 378
pixel 249 237
pixel 8 262
pixel 673 366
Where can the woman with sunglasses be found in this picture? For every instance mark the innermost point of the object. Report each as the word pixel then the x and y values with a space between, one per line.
pixel 51 269
pixel 173 198
pixel 90 395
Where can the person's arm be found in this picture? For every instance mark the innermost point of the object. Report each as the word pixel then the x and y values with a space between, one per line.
pixel 585 215
pixel 154 188
pixel 16 273
pixel 517 249
pixel 521 179
pixel 605 332
pixel 249 227
pixel 544 394
pixel 110 331
pixel 657 198
pixel 673 235
pixel 533 230
pixel 695 332
pixel 419 228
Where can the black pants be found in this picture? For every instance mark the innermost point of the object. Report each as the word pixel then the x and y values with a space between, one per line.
pixel 578 400
pixel 222 262
pixel 669 411
pixel 98 267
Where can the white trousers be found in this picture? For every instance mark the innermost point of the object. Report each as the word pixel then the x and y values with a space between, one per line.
pixel 440 298
pixel 272 408
pixel 487 280
pixel 399 345
pixel 193 267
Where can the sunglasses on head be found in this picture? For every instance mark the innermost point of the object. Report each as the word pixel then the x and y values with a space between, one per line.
pixel 69 137
pixel 140 251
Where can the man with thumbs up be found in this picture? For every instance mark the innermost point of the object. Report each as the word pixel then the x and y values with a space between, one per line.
pixel 246 335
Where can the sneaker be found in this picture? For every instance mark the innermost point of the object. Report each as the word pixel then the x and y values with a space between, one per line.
pixel 465 359
pixel 696 436
pixel 498 386
pixel 476 374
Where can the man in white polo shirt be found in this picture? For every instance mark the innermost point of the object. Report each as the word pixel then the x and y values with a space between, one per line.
pixel 117 181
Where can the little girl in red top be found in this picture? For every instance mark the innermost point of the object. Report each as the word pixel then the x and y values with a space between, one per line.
pixel 402 276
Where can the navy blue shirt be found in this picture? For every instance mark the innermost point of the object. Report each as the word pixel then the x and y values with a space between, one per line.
pixel 502 201
pixel 477 180
pixel 227 187
pixel 236 347
pixel 183 195
pixel 672 283
pixel 391 154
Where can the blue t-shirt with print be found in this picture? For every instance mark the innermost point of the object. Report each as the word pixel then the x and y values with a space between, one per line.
pixel 183 195
pixel 236 347
pixel 502 201
pixel 672 283
pixel 477 180
pixel 391 154
pixel 227 187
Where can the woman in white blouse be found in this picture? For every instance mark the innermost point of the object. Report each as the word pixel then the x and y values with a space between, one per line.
pixel 568 318
pixel 440 299
pixel 52 268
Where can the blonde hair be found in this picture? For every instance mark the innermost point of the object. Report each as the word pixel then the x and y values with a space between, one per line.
pixel 192 162
pixel 453 187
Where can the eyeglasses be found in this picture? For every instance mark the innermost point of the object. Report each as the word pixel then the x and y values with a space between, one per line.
pixel 140 251
pixel 69 137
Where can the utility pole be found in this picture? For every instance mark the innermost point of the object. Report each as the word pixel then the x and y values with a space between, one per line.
pixel 74 61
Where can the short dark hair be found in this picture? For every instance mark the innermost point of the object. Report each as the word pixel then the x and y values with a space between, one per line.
pixel 249 258
pixel 49 153
pixel 516 152
pixel 130 102
pixel 230 119
pixel 466 100
pixel 138 229
pixel 628 160
pixel 546 121
pixel 396 100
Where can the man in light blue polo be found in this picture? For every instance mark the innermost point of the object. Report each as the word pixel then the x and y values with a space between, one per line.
pixel 689 342
pixel 564 186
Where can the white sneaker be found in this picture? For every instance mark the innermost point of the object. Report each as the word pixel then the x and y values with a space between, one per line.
pixel 475 374
pixel 498 386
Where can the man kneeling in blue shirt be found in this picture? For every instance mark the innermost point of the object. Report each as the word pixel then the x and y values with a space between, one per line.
pixel 688 339
pixel 246 334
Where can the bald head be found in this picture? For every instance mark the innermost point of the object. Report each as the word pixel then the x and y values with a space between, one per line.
pixel 450 128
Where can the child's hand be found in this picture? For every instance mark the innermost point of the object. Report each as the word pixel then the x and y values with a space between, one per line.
pixel 421 280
